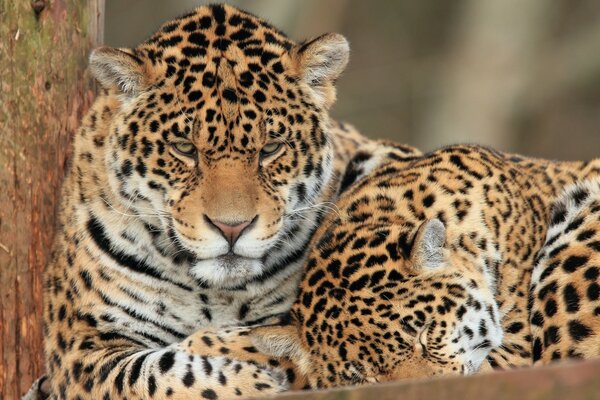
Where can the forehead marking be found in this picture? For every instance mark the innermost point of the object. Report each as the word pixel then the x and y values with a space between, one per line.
pixel 228 92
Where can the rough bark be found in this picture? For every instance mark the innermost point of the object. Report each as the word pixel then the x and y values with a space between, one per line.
pixel 43 92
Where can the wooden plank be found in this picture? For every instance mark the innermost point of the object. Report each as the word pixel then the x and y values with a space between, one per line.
pixel 43 93
pixel 568 380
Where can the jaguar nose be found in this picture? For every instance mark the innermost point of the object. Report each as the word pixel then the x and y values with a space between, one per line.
pixel 230 230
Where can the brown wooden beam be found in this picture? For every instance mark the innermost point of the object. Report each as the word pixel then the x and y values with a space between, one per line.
pixel 565 381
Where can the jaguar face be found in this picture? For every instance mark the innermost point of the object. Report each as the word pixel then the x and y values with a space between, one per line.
pixel 413 317
pixel 220 135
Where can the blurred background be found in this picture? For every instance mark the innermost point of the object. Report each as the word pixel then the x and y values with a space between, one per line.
pixel 520 75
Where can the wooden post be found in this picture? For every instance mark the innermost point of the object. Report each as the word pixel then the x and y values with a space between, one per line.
pixel 44 45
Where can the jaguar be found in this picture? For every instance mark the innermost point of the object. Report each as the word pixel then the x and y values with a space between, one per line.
pixel 425 269
pixel 197 180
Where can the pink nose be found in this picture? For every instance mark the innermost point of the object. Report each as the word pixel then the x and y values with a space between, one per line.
pixel 231 231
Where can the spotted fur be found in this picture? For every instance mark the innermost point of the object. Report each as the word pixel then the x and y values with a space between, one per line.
pixel 198 178
pixel 565 284
pixel 424 270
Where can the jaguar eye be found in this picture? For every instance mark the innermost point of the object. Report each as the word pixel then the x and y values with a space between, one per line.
pixel 270 148
pixel 185 148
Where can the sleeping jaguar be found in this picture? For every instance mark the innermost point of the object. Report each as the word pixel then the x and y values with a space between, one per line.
pixel 425 270
pixel 198 178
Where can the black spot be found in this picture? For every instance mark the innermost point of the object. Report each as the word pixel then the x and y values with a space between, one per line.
pixel 77 367
pixel 154 126
pixel 209 394
pixel 537 319
pixel 259 96
pixel 559 214
pixel 360 283
pixel 593 291
pixel 218 13
pixel 571 298
pixel 208 79
pixel 579 195
pixel 574 225
pixel 195 95
pixel 205 22
pixel 395 276
pixel 166 97
pixel 578 331
pixel 537 349
pixel 87 278
pixel 169 42
pixel 301 191
pixel 222 44
pixel 550 308
pixel 134 374
pixel 134 128
pixel 551 287
pixel 193 51
pixel 429 200
pixel 551 336
pixel 230 95
pixel 126 168
pixel 119 380
pixel 241 35
pixel 243 311
pixel 585 235
pixel 188 379
pixel 190 26
pixel 277 67
pixel 166 362
pixel 515 327
pixel 262 386
pixel 316 277
pixel 62 312
pixel 591 274
pixel 574 262
pixel 198 39
pixel 151 385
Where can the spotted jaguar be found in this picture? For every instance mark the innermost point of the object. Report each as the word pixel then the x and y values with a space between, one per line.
pixel 197 180
pixel 425 269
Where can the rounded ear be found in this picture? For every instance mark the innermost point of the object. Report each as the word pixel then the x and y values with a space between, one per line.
pixel 118 69
pixel 320 62
pixel 428 247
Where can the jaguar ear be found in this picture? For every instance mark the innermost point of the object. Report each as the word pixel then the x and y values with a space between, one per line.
pixel 281 341
pixel 119 69
pixel 320 62
pixel 428 248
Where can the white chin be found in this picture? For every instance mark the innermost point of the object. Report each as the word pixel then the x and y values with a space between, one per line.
pixel 226 271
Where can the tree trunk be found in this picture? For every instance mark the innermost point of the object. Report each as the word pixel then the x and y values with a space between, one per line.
pixel 44 91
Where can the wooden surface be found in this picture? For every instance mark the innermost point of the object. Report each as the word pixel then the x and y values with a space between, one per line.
pixel 44 47
pixel 569 380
